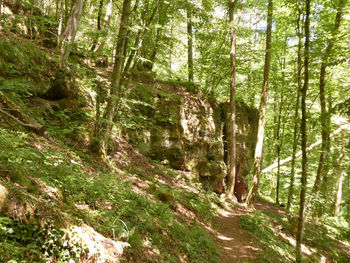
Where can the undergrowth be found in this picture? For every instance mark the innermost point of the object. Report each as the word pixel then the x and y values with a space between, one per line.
pixel 101 198
pixel 271 232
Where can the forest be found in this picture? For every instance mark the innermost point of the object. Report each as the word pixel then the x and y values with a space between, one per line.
pixel 174 131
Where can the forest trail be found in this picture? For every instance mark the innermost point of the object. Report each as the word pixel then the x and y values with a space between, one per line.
pixel 234 242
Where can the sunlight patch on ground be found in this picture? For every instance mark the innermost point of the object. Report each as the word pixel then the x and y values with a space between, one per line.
pixel 291 240
pixel 225 238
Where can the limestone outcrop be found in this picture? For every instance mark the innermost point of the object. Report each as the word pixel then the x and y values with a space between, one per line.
pixel 175 124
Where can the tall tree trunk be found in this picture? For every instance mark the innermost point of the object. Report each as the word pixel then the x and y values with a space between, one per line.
pixel 296 112
pixel 107 22
pixel 339 191
pixel 171 48
pixel 295 145
pixel 279 137
pixel 133 56
pixel 262 110
pixel 325 118
pixel 231 173
pixel 279 146
pixel 190 42
pixel 107 123
pixel 300 232
pixel 68 36
pixel 132 21
pixel 60 20
pixel 98 29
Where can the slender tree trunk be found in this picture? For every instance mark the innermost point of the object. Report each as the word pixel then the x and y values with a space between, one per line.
pixel 295 145
pixel 68 36
pixel 107 22
pixel 325 118
pixel 231 173
pixel 300 232
pixel 133 57
pixel 296 112
pixel 98 29
pixel 115 38
pixel 60 20
pixel 279 146
pixel 251 93
pixel 171 48
pixel 278 135
pixel 107 123
pixel 190 43
pixel 262 110
pixel 339 191
pixel 132 21
pixel 152 57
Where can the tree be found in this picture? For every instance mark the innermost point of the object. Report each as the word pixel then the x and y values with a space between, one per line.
pixel 325 117
pixel 68 35
pixel 300 232
pixel 106 124
pixel 231 174
pixel 262 109
pixel 296 111
pixel 190 43
pixel 140 37
pixel 339 181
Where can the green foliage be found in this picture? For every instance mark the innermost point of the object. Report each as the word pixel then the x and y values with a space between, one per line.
pixel 139 112
pixel 266 228
pixel 30 242
pixel 23 58
pixel 15 86
pixel 143 222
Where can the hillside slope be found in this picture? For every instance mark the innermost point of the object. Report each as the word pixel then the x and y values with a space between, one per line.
pixel 60 202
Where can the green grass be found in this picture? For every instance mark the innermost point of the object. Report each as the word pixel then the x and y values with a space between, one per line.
pixel 264 227
pixel 147 224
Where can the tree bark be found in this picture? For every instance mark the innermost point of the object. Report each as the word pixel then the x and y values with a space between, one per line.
pixel 133 56
pixel 262 110
pixel 299 237
pixel 279 136
pixel 190 42
pixel 98 29
pixel 60 20
pixel 339 184
pixel 107 22
pixel 296 113
pixel 107 122
pixel 231 173
pixel 68 36
pixel 325 118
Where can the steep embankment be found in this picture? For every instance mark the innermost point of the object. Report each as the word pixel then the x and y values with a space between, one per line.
pixel 59 202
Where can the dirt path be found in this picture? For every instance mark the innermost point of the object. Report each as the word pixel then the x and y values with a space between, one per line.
pixel 235 243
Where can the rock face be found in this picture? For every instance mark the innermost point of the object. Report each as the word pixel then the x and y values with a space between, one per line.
pixel 247 128
pixel 177 125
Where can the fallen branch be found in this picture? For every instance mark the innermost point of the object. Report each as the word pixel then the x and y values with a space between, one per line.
pixel 289 159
